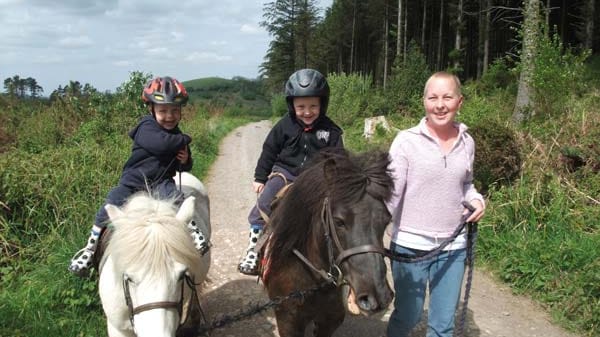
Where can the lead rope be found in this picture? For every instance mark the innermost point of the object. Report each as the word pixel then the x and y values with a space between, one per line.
pixel 471 240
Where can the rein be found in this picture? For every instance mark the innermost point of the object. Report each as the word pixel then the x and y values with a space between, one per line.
pixel 335 275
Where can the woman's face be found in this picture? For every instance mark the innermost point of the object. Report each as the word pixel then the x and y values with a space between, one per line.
pixel 442 101
pixel 167 115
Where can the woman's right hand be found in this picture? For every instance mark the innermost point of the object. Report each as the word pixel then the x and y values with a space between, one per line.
pixel 258 187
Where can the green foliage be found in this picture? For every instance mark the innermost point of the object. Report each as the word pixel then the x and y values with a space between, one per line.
pixel 498 76
pixel 278 105
pixel 236 97
pixel 407 82
pixel 543 241
pixel 348 98
pixel 497 159
pixel 558 73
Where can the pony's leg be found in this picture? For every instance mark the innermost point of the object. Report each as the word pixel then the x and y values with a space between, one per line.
pixel 114 332
pixel 328 321
pixel 289 322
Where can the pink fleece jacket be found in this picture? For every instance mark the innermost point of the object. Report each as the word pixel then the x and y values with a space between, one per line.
pixel 429 186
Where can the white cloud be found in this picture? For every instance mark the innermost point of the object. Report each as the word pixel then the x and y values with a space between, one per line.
pixel 250 29
pixel 122 63
pixel 75 41
pixel 207 57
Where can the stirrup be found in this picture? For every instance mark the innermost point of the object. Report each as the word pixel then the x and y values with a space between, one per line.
pixel 81 262
pixel 249 264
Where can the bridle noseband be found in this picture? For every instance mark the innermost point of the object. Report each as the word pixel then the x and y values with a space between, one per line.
pixel 187 279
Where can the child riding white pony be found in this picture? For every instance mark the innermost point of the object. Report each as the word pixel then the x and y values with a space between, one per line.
pixel 150 269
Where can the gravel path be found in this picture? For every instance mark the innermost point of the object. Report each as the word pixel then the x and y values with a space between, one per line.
pixel 493 310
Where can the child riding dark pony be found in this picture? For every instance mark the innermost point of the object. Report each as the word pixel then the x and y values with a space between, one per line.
pixel 292 142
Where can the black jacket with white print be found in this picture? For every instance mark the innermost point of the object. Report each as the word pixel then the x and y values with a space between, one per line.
pixel 291 145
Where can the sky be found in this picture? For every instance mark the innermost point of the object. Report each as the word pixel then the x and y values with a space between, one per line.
pixel 101 42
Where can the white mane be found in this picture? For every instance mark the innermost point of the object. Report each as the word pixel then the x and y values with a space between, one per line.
pixel 148 237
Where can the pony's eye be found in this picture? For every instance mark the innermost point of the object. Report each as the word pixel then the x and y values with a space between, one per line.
pixel 339 222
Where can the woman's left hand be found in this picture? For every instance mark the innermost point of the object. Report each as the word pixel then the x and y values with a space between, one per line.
pixel 478 212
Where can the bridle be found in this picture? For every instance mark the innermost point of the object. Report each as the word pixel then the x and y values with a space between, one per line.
pixel 335 275
pixel 185 280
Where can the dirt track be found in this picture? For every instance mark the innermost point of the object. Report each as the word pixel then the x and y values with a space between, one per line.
pixel 493 311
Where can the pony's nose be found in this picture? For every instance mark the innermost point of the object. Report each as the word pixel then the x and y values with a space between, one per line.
pixel 368 303
pixel 372 303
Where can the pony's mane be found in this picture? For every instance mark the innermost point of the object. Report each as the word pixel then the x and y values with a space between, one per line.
pixel 148 236
pixel 336 173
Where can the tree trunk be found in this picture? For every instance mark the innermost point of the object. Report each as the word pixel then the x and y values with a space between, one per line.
pixel 386 32
pixel 589 24
pixel 399 33
pixel 531 22
pixel 405 44
pixel 459 27
pixel 486 39
pixel 353 37
pixel 424 25
pixel 441 37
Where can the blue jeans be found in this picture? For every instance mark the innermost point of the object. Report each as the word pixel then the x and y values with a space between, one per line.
pixel 266 197
pixel 443 274
pixel 118 196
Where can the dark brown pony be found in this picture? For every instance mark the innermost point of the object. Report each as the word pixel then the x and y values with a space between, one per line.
pixel 333 217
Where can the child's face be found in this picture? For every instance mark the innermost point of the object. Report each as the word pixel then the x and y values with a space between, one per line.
pixel 167 115
pixel 307 109
pixel 442 101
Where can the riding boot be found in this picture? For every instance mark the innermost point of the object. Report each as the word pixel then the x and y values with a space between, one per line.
pixel 249 263
pixel 82 260
pixel 200 241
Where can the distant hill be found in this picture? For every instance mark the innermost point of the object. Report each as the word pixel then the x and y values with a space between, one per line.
pixel 237 92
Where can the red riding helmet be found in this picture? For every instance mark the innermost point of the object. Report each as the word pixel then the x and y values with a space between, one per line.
pixel 165 90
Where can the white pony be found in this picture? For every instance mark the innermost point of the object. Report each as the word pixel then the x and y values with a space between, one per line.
pixel 151 269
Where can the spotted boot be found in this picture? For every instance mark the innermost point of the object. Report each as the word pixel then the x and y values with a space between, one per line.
pixel 200 240
pixel 249 263
pixel 82 260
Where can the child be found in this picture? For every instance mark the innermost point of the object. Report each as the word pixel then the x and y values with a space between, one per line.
pixel 432 168
pixel 159 150
pixel 289 145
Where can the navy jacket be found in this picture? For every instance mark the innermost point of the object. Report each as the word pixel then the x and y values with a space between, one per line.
pixel 290 145
pixel 153 155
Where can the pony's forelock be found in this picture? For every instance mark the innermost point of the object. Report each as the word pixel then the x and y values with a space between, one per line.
pixel 147 235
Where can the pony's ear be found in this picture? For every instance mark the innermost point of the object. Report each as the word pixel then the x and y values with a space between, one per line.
pixel 186 211
pixel 329 171
pixel 113 211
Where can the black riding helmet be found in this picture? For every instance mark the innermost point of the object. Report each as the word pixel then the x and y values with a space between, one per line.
pixel 307 82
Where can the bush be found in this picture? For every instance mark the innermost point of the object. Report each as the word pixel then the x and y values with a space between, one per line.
pixel 497 158
pixel 498 76
pixel 348 98
pixel 558 74
pixel 408 80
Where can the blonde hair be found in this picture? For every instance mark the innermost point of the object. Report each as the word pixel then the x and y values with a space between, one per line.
pixel 444 75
